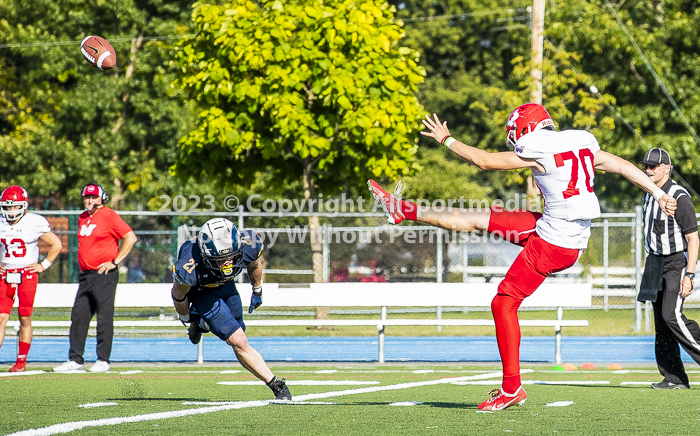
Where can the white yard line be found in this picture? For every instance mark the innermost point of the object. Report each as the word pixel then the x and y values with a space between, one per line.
pixel 72 426
pixel 648 383
pixel 303 382
pixel 559 404
pixel 18 374
pixel 536 382
pixel 91 405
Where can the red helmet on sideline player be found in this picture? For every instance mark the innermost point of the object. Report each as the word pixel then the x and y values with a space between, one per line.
pixel 14 196
pixel 525 119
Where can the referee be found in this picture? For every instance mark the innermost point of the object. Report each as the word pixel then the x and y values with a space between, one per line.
pixel 672 246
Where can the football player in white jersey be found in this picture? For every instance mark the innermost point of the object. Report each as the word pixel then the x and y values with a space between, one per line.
pixel 20 232
pixel 563 165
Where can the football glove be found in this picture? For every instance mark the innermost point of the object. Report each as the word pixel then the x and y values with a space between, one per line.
pixel 184 319
pixel 255 299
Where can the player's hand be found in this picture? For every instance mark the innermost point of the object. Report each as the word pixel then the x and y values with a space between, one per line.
pixel 255 299
pixel 2 268
pixel 686 287
pixel 106 267
pixel 36 268
pixel 668 204
pixel 437 129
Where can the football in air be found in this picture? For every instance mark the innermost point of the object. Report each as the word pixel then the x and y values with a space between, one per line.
pixel 98 52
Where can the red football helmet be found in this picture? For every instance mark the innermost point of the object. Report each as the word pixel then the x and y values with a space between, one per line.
pixel 14 196
pixel 525 119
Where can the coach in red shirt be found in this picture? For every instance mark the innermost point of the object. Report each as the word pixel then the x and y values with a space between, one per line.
pixel 99 231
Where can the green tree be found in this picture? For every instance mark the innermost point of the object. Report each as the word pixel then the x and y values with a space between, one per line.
pixel 319 92
pixel 65 123
pixel 667 35
pixel 476 57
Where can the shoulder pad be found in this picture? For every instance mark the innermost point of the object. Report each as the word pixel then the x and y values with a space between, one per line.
pixel 252 245
pixel 184 268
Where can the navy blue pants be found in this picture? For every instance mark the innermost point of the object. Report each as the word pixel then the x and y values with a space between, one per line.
pixel 220 308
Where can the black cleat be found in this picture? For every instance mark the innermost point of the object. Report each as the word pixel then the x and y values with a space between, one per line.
pixel 194 331
pixel 668 385
pixel 280 389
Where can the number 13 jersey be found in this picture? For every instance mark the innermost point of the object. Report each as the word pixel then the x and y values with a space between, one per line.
pixel 19 243
pixel 567 184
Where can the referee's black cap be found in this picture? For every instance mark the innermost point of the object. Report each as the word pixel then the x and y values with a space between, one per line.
pixel 656 156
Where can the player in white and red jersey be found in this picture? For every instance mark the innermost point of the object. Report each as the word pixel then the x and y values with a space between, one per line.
pixel 563 165
pixel 20 232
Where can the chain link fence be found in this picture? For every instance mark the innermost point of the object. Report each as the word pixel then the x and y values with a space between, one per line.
pixel 360 247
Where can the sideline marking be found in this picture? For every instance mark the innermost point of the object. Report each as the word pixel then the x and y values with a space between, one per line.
pixel 303 383
pixel 71 426
pixel 406 403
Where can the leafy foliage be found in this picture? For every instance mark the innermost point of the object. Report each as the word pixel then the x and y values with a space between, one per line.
pixel 65 123
pixel 319 88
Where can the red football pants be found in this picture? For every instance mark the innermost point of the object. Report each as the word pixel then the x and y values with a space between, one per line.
pixel 535 262
pixel 26 292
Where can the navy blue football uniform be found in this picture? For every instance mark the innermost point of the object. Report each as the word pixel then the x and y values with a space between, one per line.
pixel 214 298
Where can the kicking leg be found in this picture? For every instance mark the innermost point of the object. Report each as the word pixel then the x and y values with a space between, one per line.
pixel 460 220
pixel 450 218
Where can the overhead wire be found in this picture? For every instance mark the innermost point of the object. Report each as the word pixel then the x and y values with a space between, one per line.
pixel 111 40
pixel 637 135
pixel 659 82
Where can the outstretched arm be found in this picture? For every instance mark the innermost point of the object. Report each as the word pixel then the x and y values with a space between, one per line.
pixel 482 159
pixel 608 162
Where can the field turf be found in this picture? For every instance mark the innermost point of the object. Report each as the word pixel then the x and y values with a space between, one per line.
pixel 342 399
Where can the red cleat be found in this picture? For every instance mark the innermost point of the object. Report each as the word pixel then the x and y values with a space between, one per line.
pixel 19 367
pixel 500 400
pixel 390 202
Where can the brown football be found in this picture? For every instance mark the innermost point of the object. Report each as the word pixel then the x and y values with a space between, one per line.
pixel 98 52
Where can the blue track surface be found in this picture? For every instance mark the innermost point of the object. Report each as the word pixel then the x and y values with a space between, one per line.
pixel 358 349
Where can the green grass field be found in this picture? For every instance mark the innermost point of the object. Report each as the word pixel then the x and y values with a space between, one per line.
pixel 342 399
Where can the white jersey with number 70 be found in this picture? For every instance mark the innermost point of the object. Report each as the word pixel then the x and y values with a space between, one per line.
pixel 568 158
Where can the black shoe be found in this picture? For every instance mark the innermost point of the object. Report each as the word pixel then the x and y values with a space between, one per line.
pixel 194 331
pixel 668 385
pixel 280 389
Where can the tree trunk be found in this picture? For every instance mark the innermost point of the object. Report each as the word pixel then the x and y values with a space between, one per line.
pixel 135 45
pixel 316 236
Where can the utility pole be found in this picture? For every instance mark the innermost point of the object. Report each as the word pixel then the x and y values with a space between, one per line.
pixel 537 49
pixel 533 193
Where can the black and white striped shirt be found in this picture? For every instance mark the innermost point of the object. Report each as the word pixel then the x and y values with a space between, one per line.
pixel 664 235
